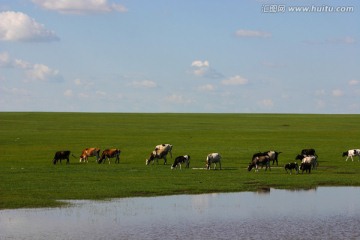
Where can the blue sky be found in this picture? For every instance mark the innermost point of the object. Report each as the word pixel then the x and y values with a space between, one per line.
pixel 217 56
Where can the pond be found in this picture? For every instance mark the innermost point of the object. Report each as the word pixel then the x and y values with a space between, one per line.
pixel 322 213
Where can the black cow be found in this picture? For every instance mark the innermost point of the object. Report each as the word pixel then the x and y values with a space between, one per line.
pixel 181 159
pixel 305 167
pixel 308 152
pixel 291 166
pixel 61 155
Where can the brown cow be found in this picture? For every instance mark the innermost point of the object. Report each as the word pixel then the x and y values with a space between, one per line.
pixel 90 152
pixel 110 153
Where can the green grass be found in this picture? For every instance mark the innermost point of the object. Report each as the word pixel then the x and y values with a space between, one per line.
pixel 28 142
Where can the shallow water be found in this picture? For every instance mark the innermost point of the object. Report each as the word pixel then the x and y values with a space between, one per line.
pixel 324 213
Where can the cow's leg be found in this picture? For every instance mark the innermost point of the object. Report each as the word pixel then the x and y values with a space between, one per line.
pixel 67 160
pixel 220 164
pixel 165 160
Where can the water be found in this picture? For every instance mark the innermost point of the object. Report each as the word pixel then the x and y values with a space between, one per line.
pixel 323 213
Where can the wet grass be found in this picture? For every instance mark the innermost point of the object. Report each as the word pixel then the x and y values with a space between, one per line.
pixel 28 142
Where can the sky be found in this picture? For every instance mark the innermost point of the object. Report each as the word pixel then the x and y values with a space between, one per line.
pixel 202 56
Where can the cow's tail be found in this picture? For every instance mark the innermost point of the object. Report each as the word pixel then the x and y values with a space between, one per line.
pixel 74 156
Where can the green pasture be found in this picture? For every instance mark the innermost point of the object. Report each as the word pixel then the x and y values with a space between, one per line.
pixel 28 142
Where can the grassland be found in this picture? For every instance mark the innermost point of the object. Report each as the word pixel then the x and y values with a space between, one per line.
pixel 28 142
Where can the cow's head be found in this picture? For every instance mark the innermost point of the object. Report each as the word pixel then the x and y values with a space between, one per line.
pixel 299 157
pixel 251 165
pixel 151 158
pixel 345 154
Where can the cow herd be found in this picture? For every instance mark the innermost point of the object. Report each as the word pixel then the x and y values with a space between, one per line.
pixel 89 152
pixel 308 158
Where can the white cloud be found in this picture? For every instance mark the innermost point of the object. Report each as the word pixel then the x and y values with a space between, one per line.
pixel 41 72
pixel 83 83
pixel 203 69
pixel 180 99
pixel 207 88
pixel 5 60
pixel 252 33
pixel 21 64
pixel 100 93
pixel 80 6
pixel 235 80
pixel 15 91
pixel 68 93
pixel 342 40
pixel 200 64
pixel 351 82
pixel 320 92
pixel 83 95
pixel 267 103
pixel 33 71
pixel 337 93
pixel 17 26
pixel 144 84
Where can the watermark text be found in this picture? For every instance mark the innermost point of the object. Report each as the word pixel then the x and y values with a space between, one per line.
pixel 281 8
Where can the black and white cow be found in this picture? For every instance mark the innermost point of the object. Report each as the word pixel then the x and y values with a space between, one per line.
pixel 305 167
pixel 351 153
pixel 160 152
pixel 273 155
pixel 213 158
pixel 180 160
pixel 308 152
pixel 311 159
pixel 61 155
pixel 291 166
pixel 263 160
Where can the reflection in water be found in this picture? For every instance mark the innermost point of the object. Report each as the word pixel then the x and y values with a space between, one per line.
pixel 324 213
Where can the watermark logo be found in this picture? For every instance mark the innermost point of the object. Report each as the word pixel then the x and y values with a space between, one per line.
pixel 281 8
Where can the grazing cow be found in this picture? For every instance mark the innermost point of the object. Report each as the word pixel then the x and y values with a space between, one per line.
pixel 262 161
pixel 110 153
pixel 308 152
pixel 181 159
pixel 273 155
pixel 213 158
pixel 351 153
pixel 90 152
pixel 308 159
pixel 160 152
pixel 61 155
pixel 291 166
pixel 305 167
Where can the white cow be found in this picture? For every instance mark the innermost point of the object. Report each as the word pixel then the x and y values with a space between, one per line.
pixel 351 153
pixel 213 158
pixel 160 152
pixel 311 160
